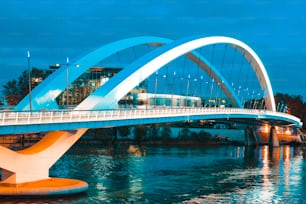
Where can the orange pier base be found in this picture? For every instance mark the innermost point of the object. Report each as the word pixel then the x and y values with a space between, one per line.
pixel 46 187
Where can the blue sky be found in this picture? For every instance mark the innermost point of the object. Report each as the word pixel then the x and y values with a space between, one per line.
pixel 53 30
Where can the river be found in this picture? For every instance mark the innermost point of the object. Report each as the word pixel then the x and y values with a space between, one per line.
pixel 176 174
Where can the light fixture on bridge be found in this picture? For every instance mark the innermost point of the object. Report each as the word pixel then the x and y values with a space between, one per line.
pixel 57 66
pixel 29 79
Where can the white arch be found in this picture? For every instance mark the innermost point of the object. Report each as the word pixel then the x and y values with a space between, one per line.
pixel 44 95
pixel 131 76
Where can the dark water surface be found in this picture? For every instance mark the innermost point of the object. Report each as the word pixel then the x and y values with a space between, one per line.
pixel 223 174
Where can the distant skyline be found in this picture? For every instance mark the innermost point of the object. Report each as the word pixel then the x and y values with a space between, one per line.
pixel 53 30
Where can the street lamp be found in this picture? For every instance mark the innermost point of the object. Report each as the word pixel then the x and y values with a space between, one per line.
pixel 187 89
pixel 67 91
pixel 155 91
pixel 211 88
pixel 195 86
pixel 29 80
pixel 67 77
pixel 174 73
pixel 165 90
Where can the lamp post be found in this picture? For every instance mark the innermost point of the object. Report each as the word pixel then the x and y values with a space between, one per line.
pixel 174 73
pixel 187 89
pixel 156 84
pixel 67 75
pixel 211 88
pixel 56 66
pixel 29 80
pixel 165 89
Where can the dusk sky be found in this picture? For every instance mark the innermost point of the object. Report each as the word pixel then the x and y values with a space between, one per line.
pixel 53 30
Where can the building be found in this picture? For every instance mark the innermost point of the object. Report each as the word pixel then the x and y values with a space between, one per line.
pixel 91 80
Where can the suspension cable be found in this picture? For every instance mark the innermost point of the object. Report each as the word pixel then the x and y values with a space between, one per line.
pixel 247 77
pixel 232 67
pixel 222 67
pixel 210 72
pixel 231 70
pixel 197 74
pixel 241 65
pixel 155 88
pixel 183 76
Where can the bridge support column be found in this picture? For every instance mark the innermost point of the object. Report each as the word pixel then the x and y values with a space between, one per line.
pixel 26 172
pixel 273 139
pixel 115 131
pixel 250 137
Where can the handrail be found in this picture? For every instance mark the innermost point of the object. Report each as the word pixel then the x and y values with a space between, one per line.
pixel 62 116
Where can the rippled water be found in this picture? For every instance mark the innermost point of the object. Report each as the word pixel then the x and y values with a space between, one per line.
pixel 224 174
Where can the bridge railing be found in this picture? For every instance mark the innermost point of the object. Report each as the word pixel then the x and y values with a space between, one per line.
pixel 63 116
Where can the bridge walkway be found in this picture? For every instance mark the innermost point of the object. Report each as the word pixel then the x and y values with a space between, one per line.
pixel 45 121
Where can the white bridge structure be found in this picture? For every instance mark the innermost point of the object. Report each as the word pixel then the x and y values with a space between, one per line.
pixel 100 109
pixel 22 122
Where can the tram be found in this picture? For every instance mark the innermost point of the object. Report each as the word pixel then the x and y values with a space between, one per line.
pixel 150 100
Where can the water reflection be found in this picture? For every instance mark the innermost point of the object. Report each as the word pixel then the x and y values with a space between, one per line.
pixel 136 150
pixel 269 175
pixel 224 174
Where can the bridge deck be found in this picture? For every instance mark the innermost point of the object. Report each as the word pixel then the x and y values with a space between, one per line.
pixel 44 121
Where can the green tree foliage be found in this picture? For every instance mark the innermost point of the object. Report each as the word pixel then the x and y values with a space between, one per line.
pixel 15 90
pixel 11 92
pixel 294 104
pixel 153 133
pixel 140 133
pixel 23 84
pixel 166 134
pixel 124 131
pixel 184 134
pixel 204 136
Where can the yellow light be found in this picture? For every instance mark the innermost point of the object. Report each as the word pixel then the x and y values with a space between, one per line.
pixel 288 132
pixel 265 128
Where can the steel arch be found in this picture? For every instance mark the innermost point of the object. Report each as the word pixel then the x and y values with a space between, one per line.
pixel 108 96
pixel 45 93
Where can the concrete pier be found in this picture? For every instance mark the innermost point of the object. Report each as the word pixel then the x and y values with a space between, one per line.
pixel 26 172
pixel 273 139
pixel 47 187
pixel 251 138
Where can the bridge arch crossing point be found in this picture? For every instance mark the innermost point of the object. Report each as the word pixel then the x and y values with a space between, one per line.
pixel 118 86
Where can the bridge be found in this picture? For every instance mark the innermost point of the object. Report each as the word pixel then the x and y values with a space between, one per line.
pixel 40 112
pixel 22 122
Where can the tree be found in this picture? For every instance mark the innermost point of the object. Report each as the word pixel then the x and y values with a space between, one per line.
pixel 184 134
pixel 140 133
pixel 294 103
pixel 124 131
pixel 166 134
pixel 154 133
pixel 11 92
pixel 23 84
pixel 204 136
pixel 15 90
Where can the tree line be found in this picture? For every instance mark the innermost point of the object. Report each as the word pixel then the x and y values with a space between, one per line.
pixel 295 105
pixel 154 134
pixel 15 90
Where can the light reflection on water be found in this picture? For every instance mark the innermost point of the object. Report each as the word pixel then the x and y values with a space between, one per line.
pixel 223 174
